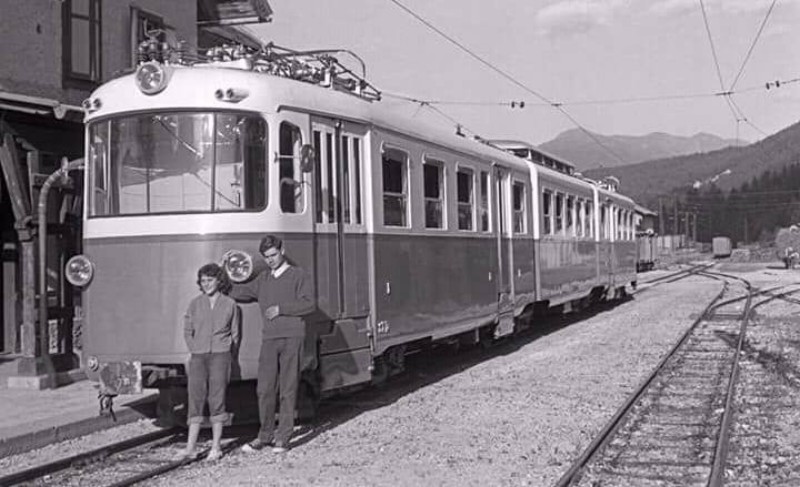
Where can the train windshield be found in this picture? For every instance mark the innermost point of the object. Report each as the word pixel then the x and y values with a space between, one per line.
pixel 177 162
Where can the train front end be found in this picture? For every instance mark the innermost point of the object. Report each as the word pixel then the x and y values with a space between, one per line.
pixel 174 179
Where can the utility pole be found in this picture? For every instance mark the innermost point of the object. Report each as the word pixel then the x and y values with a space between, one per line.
pixel 694 227
pixel 661 216
pixel 675 215
pixel 686 224
pixel 745 228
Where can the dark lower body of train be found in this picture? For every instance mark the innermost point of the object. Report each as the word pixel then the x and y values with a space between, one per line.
pixel 379 297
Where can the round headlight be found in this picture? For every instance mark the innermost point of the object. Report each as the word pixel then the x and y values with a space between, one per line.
pixel 151 78
pixel 79 270
pixel 239 266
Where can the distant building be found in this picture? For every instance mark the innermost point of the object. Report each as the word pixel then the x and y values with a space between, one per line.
pixel 645 219
pixel 54 54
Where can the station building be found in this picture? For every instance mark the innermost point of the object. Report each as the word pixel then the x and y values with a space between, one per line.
pixel 55 53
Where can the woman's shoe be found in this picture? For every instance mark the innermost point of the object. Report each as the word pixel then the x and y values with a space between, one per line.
pixel 214 455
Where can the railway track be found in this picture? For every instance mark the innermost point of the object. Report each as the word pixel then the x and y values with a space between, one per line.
pixel 674 429
pixel 119 464
pixel 672 277
pixel 762 450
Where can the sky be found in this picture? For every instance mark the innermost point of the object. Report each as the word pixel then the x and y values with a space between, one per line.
pixel 574 52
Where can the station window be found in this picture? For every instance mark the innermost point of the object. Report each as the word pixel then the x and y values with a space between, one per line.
pixel 82 45
pixel 571 216
pixel 485 215
pixel 433 176
pixel 290 175
pixel 519 207
pixel 395 188
pixel 547 212
pixel 559 213
pixel 142 24
pixel 466 199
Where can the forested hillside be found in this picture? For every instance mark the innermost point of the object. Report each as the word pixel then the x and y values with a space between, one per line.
pixel 721 170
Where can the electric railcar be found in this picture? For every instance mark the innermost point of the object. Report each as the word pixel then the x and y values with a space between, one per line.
pixel 411 235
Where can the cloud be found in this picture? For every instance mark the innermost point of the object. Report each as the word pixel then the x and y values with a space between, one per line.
pixel 669 7
pixel 568 17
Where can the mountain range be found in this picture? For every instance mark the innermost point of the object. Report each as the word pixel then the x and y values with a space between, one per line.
pixel 723 169
pixel 584 151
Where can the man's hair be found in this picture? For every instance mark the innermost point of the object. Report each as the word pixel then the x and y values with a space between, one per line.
pixel 268 242
pixel 214 270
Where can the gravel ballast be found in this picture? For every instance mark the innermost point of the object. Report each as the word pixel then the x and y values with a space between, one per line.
pixel 517 415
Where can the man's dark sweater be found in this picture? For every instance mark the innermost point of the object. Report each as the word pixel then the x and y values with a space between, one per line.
pixel 290 292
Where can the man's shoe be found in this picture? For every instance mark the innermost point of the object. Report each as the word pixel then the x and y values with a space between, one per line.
pixel 279 448
pixel 214 455
pixel 254 446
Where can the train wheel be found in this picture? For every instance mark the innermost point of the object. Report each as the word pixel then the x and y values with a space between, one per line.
pixel 380 371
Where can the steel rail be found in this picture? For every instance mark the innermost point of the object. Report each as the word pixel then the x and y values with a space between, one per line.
pixel 692 270
pixel 669 278
pixel 40 471
pixel 171 465
pixel 615 422
pixel 717 476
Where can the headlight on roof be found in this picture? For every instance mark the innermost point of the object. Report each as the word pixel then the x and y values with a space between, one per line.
pixel 239 266
pixel 151 78
pixel 79 270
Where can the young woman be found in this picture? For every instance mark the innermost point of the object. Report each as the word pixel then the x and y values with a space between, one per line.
pixel 211 329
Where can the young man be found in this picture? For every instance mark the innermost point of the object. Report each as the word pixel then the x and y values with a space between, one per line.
pixel 284 295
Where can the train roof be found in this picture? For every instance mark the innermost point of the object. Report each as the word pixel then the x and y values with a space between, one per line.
pixel 335 93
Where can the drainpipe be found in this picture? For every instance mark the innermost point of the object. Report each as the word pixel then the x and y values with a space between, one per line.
pixel 44 330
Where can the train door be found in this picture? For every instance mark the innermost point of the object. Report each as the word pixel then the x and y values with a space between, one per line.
pixel 340 232
pixel 505 256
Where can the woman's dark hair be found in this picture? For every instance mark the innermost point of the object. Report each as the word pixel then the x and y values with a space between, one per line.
pixel 268 242
pixel 214 270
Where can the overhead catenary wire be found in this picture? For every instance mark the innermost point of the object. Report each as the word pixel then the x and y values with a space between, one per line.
pixel 766 86
pixel 726 95
pixel 753 44
pixel 508 77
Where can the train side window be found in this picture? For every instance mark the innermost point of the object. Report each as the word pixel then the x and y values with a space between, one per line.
pixel 433 182
pixel 590 219
pixel 357 178
pixel 485 199
pixel 98 168
pixel 395 188
pixel 603 222
pixel 519 207
pixel 570 216
pixel 318 175
pixel 579 218
pixel 346 174
pixel 547 212
pixel 330 168
pixel 466 199
pixel 559 213
pixel 290 176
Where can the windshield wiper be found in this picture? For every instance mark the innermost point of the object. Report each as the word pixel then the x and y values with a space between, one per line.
pixel 177 137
